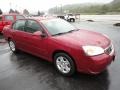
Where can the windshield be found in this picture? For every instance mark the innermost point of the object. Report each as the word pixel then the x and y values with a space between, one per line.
pixel 57 26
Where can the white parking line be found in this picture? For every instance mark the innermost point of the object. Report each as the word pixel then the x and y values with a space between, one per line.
pixel 7 48
pixel 3 41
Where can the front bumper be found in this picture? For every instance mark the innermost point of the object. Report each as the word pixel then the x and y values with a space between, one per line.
pixel 0 30
pixel 100 65
pixel 96 64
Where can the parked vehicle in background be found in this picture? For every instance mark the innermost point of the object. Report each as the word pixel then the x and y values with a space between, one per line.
pixel 57 41
pixel 67 17
pixel 7 19
pixel 61 16
pixel 70 17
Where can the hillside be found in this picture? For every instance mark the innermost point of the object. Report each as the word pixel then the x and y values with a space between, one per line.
pixel 115 1
pixel 88 8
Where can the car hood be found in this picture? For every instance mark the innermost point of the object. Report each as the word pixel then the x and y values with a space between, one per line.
pixel 84 37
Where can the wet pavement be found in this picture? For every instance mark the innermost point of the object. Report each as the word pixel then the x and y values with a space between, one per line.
pixel 23 71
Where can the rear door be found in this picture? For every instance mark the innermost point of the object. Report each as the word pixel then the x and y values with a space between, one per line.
pixel 18 34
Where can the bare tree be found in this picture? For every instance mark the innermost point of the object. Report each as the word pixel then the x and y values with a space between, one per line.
pixel 39 13
pixel 11 11
pixel 17 12
pixel 42 13
pixel 25 12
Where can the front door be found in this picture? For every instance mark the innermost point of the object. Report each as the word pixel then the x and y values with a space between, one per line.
pixel 35 43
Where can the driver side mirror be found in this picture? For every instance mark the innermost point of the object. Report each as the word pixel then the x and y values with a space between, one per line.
pixel 43 35
pixel 39 33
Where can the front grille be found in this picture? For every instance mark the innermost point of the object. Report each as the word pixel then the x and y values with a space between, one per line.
pixel 109 49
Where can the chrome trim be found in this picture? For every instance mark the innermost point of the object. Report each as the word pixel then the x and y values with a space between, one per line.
pixel 112 49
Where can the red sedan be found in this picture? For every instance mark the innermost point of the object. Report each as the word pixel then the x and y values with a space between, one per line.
pixel 57 41
pixel 7 19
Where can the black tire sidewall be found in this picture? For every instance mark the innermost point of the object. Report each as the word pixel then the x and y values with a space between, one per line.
pixel 73 20
pixel 72 70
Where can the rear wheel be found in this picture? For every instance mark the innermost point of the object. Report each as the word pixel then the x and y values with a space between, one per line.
pixel 64 64
pixel 12 46
pixel 72 20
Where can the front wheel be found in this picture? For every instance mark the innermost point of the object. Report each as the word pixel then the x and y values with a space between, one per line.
pixel 64 64
pixel 12 46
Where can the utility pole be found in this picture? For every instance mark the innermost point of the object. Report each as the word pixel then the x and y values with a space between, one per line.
pixel 56 11
pixel 61 9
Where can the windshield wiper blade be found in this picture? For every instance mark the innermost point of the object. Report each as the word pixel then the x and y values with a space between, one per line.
pixel 59 33
pixel 73 30
pixel 65 32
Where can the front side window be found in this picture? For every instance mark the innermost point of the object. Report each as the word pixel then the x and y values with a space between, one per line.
pixel 19 25
pixel 19 17
pixel 9 18
pixel 32 26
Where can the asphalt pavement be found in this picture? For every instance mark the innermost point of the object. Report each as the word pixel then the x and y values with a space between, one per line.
pixel 23 71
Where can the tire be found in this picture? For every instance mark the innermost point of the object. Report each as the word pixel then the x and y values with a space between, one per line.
pixel 64 64
pixel 73 20
pixel 12 46
pixel 70 20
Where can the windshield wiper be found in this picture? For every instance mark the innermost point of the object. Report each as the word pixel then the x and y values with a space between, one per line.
pixel 73 30
pixel 65 32
pixel 59 33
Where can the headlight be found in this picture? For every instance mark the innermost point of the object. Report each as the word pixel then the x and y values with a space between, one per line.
pixel 93 50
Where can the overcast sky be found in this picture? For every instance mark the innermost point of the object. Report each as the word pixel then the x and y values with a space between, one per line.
pixel 35 5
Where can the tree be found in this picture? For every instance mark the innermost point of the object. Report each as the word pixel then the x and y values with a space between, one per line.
pixel 1 12
pixel 115 1
pixel 42 13
pixel 39 13
pixel 17 12
pixel 104 9
pixel 25 12
pixel 11 11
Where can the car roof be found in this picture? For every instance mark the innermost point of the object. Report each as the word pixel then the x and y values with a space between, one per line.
pixel 43 18
pixel 39 18
pixel 11 14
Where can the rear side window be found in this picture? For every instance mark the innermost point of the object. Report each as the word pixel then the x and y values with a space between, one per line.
pixel 32 26
pixel 19 25
pixel 19 17
pixel 0 18
pixel 10 18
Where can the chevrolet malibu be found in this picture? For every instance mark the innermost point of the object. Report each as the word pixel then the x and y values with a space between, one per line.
pixel 69 48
